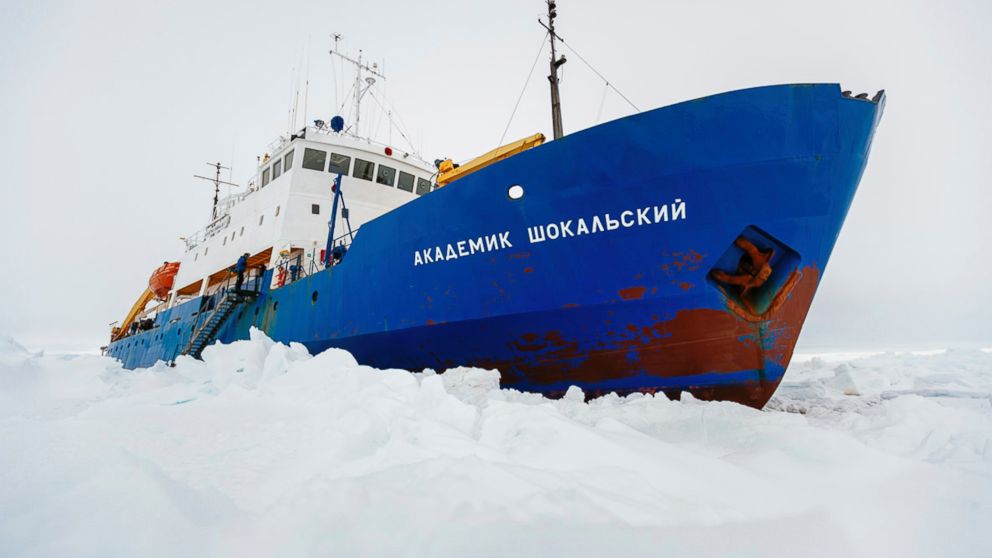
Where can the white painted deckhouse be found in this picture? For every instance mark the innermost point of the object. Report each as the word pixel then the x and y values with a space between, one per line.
pixel 283 215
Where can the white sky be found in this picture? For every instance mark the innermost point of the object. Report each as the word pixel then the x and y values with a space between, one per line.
pixel 110 107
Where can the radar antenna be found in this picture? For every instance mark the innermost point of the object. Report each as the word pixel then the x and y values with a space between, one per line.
pixel 360 68
pixel 555 64
pixel 217 182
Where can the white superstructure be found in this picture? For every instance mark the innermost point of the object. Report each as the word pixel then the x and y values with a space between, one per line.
pixel 285 211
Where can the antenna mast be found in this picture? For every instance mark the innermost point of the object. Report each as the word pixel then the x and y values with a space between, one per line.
pixel 360 67
pixel 555 64
pixel 217 182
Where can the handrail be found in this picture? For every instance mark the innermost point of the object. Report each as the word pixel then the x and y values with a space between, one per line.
pixel 198 326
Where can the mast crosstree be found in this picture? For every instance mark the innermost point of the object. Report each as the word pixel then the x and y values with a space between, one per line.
pixel 217 182
pixel 360 67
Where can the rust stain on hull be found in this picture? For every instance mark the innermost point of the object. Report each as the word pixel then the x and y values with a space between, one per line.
pixel 632 293
pixel 693 342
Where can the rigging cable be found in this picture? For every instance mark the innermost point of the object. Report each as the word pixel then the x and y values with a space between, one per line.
pixel 522 91
pixel 401 126
pixel 306 88
pixel 602 102
pixel 608 84
pixel 397 126
pixel 345 102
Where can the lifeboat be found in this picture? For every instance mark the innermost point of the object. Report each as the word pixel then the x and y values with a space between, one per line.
pixel 162 279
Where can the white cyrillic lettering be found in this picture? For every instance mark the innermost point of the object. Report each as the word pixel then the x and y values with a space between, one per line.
pixel 416 258
pixel 535 234
pixel 596 223
pixel 553 231
pixel 642 216
pixel 492 243
pixel 566 228
pixel 662 215
pixel 462 250
pixel 624 216
pixel 438 254
pixel 477 245
pixel 581 228
pixel 611 224
pixel 504 240
pixel 427 256
pixel 451 253
pixel 678 209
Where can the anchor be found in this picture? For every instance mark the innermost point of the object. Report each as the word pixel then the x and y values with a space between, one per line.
pixel 753 271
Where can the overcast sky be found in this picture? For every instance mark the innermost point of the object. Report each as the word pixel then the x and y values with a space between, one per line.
pixel 110 107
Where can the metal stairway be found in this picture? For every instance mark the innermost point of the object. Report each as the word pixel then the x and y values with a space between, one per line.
pixel 207 332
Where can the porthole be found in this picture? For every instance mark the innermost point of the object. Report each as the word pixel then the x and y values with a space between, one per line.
pixel 275 306
pixel 515 192
pixel 313 298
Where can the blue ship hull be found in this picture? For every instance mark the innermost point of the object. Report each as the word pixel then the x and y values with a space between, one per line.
pixel 630 300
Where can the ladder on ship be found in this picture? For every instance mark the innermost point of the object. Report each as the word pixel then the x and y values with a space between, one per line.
pixel 207 332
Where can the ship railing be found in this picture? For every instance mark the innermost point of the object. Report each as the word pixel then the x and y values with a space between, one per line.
pixel 275 145
pixel 299 267
pixel 252 283
pixel 227 202
pixel 345 239
pixel 291 270
pixel 327 131
pixel 211 230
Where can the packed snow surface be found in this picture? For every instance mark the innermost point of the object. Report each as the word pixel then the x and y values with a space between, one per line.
pixel 264 450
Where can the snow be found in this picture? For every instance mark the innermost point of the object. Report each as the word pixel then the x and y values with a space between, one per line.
pixel 263 450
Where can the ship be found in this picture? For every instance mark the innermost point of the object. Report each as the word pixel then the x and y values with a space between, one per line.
pixel 674 250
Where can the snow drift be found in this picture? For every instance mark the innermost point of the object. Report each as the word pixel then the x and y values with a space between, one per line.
pixel 263 450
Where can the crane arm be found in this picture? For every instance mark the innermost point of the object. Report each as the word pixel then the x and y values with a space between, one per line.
pixel 449 173
pixel 138 307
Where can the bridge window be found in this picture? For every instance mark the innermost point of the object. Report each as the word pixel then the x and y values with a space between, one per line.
pixel 287 162
pixel 277 210
pixel 261 218
pixel 242 233
pixel 314 159
pixel 406 181
pixel 364 169
pixel 386 175
pixel 265 177
pixel 276 169
pixel 339 164
pixel 315 208
pixel 423 186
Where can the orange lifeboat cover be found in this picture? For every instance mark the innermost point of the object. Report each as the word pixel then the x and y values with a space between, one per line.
pixel 162 278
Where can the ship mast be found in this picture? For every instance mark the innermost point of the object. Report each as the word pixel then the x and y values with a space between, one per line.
pixel 217 182
pixel 555 64
pixel 360 90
